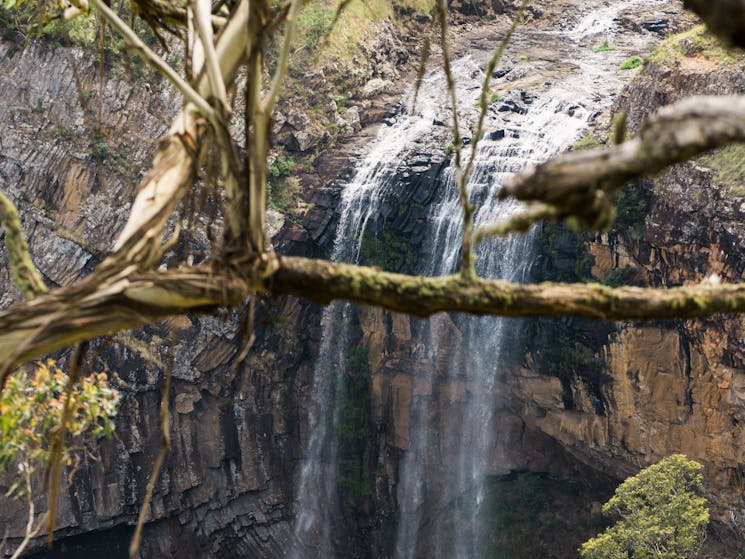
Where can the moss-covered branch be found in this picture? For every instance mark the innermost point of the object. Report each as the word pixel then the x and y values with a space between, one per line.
pixel 423 296
pixel 25 275
pixel 106 303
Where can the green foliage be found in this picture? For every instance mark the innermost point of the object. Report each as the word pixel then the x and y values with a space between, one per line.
pixel 31 406
pixel 387 249
pixel 632 62
pixel 527 514
pixel 315 23
pixel 622 276
pixel 632 209
pixel 450 149
pixel 659 512
pixel 493 98
pixel 605 46
pixel 282 167
pixel 281 188
pixel 697 41
pixel 101 151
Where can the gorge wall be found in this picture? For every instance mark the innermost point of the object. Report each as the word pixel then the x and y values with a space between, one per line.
pixel 626 394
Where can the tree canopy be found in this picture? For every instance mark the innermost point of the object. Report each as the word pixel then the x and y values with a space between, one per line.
pixel 659 514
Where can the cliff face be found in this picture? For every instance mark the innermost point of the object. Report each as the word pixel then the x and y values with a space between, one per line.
pixel 673 386
pixel 72 172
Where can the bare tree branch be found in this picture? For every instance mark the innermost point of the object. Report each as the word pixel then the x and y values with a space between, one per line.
pixel 173 168
pixel 578 183
pixel 518 223
pixel 101 304
pixel 201 10
pixel 725 18
pixel 131 38
pixel 22 269
pixel 165 427
pixel 284 57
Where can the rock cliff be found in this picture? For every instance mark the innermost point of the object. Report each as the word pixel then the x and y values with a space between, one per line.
pixel 625 395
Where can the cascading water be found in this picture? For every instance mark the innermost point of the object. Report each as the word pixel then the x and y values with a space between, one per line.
pixel 555 119
pixel 448 459
pixel 375 173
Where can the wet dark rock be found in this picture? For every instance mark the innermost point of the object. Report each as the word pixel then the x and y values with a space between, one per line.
pixel 508 105
pixel 659 26
pixel 496 135
pixel 527 98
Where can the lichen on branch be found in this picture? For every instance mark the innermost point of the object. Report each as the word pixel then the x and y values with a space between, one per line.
pixel 22 268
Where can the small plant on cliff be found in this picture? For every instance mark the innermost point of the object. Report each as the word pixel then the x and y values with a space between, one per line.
pixel 660 514
pixel 605 46
pixel 449 149
pixel 632 62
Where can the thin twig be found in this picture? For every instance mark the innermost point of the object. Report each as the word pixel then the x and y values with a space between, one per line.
pixel 201 10
pixel 248 330
pixel 518 223
pixel 490 67
pixel 270 100
pixel 131 38
pixel 165 425
pixel 30 532
pixel 53 472
pixel 467 269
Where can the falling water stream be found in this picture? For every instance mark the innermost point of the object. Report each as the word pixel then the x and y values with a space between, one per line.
pixel 446 464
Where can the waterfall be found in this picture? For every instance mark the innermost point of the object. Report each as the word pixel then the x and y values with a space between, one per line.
pixel 374 175
pixel 449 458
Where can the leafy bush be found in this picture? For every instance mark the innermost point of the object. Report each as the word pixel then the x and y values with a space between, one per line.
pixel 449 149
pixel 31 406
pixel 632 208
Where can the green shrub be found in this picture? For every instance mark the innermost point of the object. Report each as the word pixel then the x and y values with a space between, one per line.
pixel 315 21
pixel 587 142
pixel 101 151
pixel 632 62
pixel 282 167
pixel 450 149
pixel 632 208
pixel 728 164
